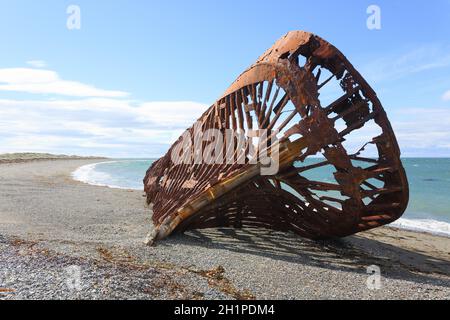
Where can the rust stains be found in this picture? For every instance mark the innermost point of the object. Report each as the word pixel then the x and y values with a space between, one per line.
pixel 340 171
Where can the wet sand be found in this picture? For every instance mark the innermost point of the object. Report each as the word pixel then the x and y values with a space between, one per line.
pixel 49 222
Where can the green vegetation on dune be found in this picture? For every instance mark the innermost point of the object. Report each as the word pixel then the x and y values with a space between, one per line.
pixel 29 156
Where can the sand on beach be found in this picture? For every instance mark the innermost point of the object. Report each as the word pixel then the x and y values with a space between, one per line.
pixel 49 222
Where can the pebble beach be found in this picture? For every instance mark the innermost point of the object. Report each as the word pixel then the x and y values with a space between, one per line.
pixel 53 227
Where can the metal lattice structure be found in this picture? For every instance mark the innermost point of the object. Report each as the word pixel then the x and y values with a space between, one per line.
pixel 305 91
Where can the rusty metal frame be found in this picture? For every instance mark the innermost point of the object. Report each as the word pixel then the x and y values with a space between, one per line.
pixel 372 190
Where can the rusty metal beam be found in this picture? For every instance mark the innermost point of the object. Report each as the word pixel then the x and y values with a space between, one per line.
pixel 281 94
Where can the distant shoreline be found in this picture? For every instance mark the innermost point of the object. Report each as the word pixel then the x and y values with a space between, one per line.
pixel 30 157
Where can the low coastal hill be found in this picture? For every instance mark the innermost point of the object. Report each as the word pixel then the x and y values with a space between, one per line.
pixel 29 156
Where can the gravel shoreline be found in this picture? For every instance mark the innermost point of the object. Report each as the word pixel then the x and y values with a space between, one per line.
pixel 32 272
pixel 49 222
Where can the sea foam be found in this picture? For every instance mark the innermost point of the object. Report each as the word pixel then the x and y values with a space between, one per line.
pixel 91 174
pixel 88 174
pixel 423 225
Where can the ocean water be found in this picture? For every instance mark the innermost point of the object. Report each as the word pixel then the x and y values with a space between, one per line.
pixel 429 182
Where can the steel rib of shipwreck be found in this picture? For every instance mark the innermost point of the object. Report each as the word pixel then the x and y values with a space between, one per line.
pixel 366 188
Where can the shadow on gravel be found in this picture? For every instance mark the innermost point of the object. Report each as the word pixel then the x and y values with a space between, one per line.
pixel 350 254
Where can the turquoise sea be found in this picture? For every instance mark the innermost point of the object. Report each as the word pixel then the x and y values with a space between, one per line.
pixel 429 181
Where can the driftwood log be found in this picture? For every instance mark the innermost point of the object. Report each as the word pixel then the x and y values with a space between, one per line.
pixel 324 116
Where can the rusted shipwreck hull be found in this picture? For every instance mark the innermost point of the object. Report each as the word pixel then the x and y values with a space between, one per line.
pixel 308 94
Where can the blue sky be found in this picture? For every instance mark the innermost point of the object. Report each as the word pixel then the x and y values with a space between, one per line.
pixel 138 72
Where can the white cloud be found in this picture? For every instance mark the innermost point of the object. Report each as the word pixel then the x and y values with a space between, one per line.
pixel 424 131
pixel 102 126
pixel 48 82
pixel 120 128
pixel 171 113
pixel 91 121
pixel 37 63
pixel 89 104
pixel 161 114
pixel 391 67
